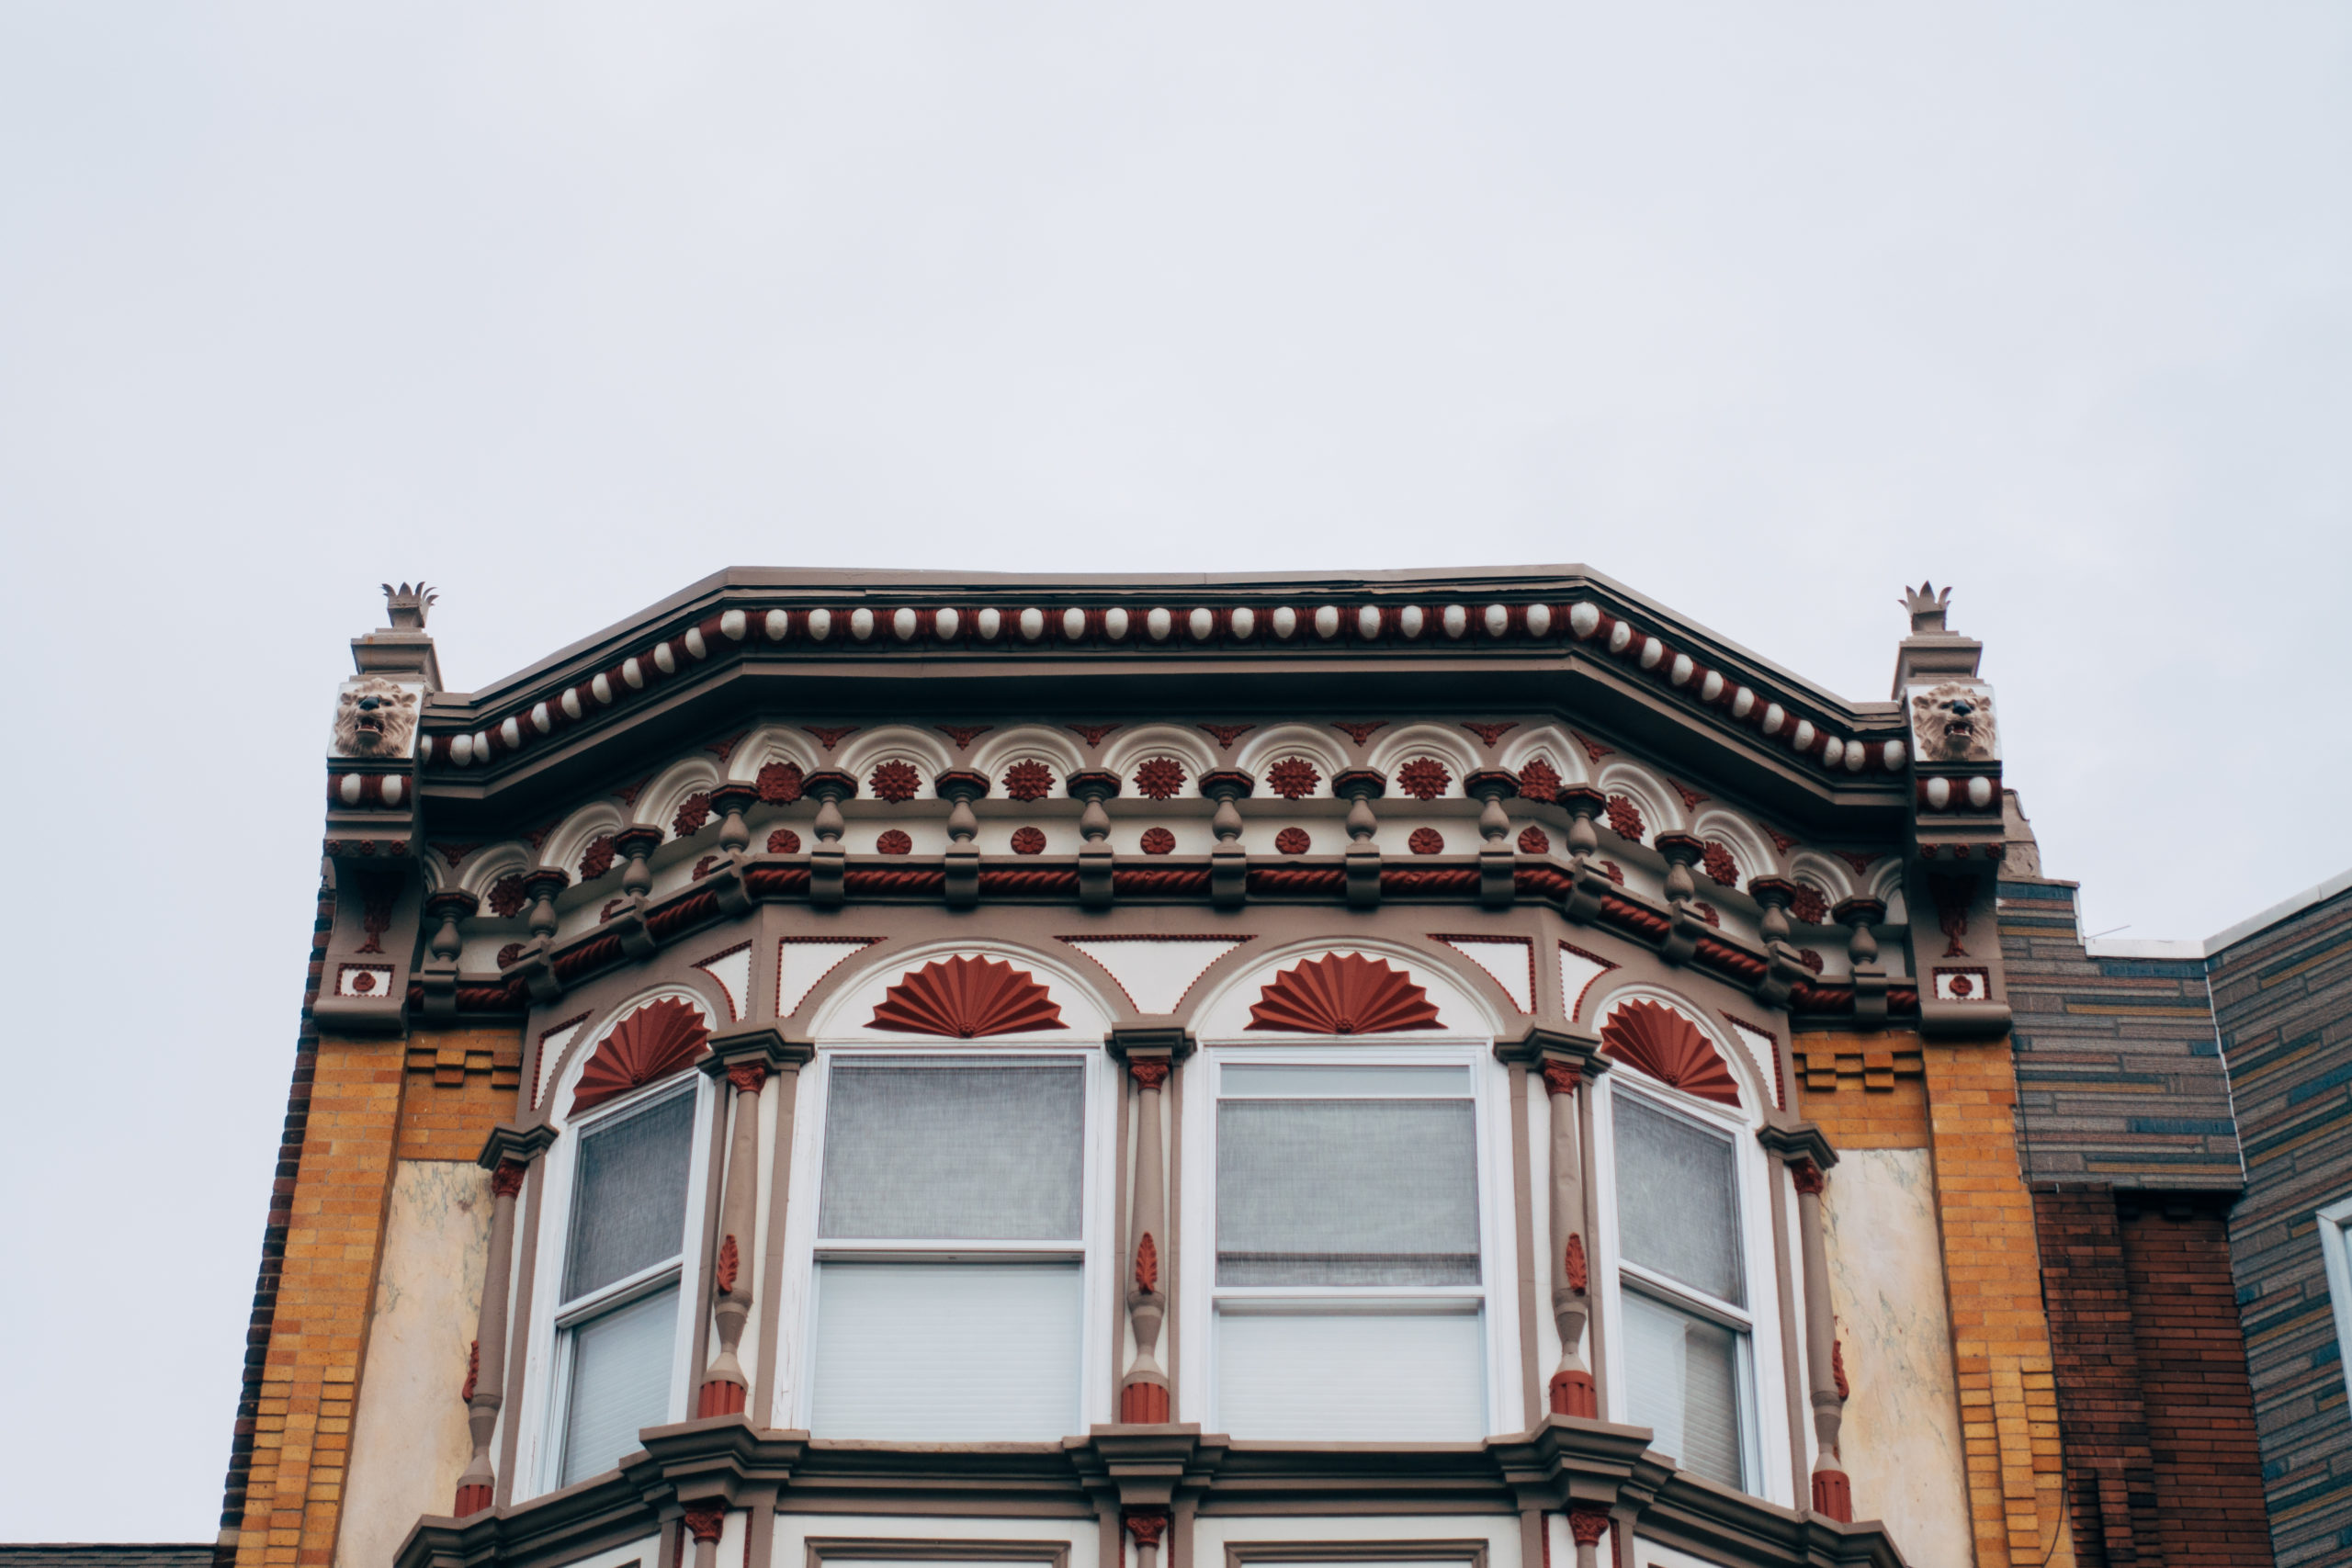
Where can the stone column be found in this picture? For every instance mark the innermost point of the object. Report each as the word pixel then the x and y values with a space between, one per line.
pixel 1833 1494
pixel 1360 787
pixel 508 1156
pixel 1572 1388
pixel 1228 862
pixel 1497 865
pixel 706 1522
pixel 1586 1526
pixel 1144 1396
pixel 742 1058
pixel 1147 1525
pixel 1858 915
pixel 1096 860
pixel 827 858
pixel 960 787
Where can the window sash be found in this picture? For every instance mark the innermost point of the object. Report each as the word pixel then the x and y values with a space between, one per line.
pixel 607 1138
pixel 885 1133
pixel 947 1352
pixel 1689 1378
pixel 629 1350
pixel 1351 1372
pixel 1694 1257
pixel 1466 1307
pixel 939 1340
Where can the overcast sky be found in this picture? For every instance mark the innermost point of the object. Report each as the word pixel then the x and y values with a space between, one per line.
pixel 1764 311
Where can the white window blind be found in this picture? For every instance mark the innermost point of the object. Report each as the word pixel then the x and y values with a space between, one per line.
pixel 954 1149
pixel 620 1382
pixel 1682 1382
pixel 1351 1377
pixel 948 1353
pixel 1346 1191
pixel 1678 1200
pixel 628 1207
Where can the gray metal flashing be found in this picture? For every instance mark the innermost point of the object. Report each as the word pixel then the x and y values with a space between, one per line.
pixel 2230 936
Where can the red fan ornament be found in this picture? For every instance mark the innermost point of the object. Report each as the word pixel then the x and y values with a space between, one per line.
pixel 1660 1041
pixel 967 999
pixel 1426 842
pixel 1159 841
pixel 1342 993
pixel 1292 842
pixel 1028 841
pixel 783 842
pixel 651 1043
pixel 894 842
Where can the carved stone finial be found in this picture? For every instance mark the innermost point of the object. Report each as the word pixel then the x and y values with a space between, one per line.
pixel 1928 605
pixel 408 604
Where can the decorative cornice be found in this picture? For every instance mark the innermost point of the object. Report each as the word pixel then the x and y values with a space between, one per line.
pixel 929 618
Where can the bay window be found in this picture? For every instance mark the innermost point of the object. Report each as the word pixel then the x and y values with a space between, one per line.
pixel 617 1317
pixel 949 1280
pixel 1350 1285
pixel 1688 1327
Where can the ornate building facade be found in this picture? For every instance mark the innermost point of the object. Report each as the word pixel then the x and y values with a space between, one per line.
pixel 1113 1072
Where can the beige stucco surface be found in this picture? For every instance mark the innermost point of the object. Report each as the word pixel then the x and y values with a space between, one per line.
pixel 1901 1440
pixel 410 1443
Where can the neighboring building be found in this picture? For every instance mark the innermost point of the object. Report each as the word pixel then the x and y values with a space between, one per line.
pixel 889 1068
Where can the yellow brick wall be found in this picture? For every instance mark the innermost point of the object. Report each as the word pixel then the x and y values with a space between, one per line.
pixel 1841 1088
pixel 318 1334
pixel 2000 1338
pixel 461 1083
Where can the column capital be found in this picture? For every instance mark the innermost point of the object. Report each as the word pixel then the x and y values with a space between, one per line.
pixel 1545 1047
pixel 1797 1142
pixel 520 1145
pixel 761 1045
pixel 1147 1044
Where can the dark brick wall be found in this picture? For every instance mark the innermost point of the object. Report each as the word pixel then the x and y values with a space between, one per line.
pixel 2283 1000
pixel 273 1239
pixel 2119 1081
pixel 2193 1381
pixel 2154 1412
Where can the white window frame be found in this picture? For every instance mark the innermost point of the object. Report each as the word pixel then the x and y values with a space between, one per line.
pixel 548 1365
pixel 1763 1394
pixel 2335 1255
pixel 804 1252
pixel 1495 1294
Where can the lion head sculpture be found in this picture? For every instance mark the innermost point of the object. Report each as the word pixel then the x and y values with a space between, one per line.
pixel 1953 722
pixel 376 717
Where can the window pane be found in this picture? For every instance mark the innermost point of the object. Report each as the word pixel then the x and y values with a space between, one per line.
pixel 1351 1376
pixel 1682 1382
pixel 620 1382
pixel 1319 1082
pixel 1347 1192
pixel 629 1208
pixel 947 1352
pixel 953 1151
pixel 1678 1209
